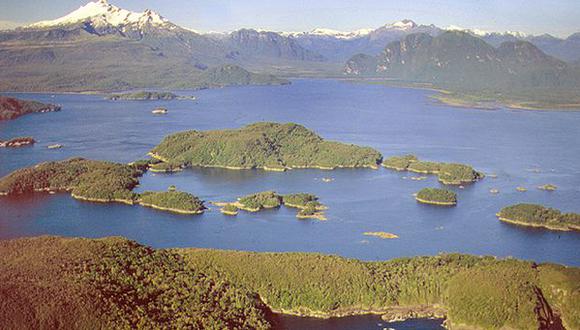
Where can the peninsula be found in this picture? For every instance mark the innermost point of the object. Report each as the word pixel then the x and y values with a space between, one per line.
pixel 442 197
pixel 113 283
pixel 12 108
pixel 17 142
pixel 148 96
pixel 97 181
pixel 269 146
pixel 534 215
pixel 447 173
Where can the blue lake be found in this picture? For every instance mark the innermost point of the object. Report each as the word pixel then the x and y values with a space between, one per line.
pixel 524 148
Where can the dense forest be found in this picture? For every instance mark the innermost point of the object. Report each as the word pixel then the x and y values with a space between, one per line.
pixel 437 196
pixel 265 145
pixel 85 179
pixel 447 173
pixel 540 216
pixel 477 291
pixel 116 283
pixel 113 283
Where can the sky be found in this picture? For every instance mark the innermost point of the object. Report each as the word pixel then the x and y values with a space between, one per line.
pixel 557 17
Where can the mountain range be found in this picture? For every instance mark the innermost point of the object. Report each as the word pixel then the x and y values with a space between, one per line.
pixel 103 47
pixel 461 60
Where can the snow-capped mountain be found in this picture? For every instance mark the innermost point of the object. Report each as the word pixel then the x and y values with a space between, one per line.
pixel 329 33
pixel 101 14
pixel 485 33
pixel 404 25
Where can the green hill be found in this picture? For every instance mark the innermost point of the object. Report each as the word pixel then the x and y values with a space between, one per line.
pixel 73 283
pixel 113 283
pixel 270 146
pixel 474 73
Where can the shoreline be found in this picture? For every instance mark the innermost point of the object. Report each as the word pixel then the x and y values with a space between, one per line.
pixel 458 102
pixel 425 201
pixel 443 98
pixel 102 200
pixel 266 168
pixel 534 225
pixel 169 209
pixel 388 314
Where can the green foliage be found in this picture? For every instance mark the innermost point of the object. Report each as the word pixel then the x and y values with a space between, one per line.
pixel 539 215
pixel 113 283
pixel 175 200
pixel 331 285
pixel 448 173
pixel 437 195
pixel 230 208
pixel 425 167
pixel 262 145
pixel 301 200
pixel 400 163
pixel 561 285
pixel 476 291
pixel 310 208
pixel 84 178
pixel 261 200
pixel 165 167
pixel 503 293
pixel 451 173
pixel 116 283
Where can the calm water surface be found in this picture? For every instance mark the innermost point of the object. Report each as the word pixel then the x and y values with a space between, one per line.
pixel 524 148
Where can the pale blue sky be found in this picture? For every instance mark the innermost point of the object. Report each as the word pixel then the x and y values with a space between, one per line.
pixel 557 17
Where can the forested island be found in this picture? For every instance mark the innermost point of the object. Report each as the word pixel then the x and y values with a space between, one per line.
pixel 447 173
pixel 12 108
pixel 17 142
pixel 172 201
pixel 97 181
pixel 534 215
pixel 269 146
pixel 116 283
pixel 436 196
pixel 148 96
pixel 308 204
pixel 90 180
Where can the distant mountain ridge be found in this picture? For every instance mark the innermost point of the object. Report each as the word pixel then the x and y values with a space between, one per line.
pixel 456 58
pixel 103 47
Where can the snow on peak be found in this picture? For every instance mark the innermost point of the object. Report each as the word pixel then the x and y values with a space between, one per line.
pixel 404 25
pixel 323 32
pixel 100 13
pixel 485 33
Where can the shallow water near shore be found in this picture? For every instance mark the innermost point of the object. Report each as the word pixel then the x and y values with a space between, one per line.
pixel 523 148
pixel 361 322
